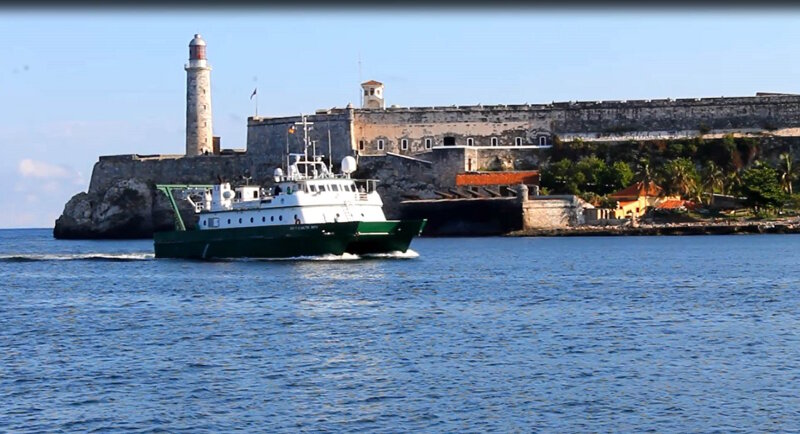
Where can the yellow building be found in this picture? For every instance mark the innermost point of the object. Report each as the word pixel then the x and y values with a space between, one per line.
pixel 635 199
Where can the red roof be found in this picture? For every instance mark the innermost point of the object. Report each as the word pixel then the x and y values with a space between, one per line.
pixel 372 83
pixel 498 178
pixel 671 204
pixel 638 190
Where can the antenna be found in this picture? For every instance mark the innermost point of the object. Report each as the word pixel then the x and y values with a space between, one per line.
pixel 360 93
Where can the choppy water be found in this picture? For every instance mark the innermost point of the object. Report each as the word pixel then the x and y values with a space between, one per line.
pixel 630 334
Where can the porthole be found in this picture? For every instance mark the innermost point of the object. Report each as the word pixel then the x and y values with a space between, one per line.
pixel 280 217
pixel 251 220
pixel 272 218
pixel 240 220
pixel 263 219
pixel 229 221
pixel 204 222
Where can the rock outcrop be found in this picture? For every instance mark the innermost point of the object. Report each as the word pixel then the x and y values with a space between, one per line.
pixel 130 208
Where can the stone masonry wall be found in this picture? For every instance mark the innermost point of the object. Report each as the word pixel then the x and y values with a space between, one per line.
pixel 267 137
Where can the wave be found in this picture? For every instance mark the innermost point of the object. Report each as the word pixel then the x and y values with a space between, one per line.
pixel 343 257
pixel 114 257
pixel 409 254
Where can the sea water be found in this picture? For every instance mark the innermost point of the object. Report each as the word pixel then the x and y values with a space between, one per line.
pixel 630 334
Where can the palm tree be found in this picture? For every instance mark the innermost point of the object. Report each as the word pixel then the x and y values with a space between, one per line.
pixel 787 172
pixel 713 178
pixel 681 176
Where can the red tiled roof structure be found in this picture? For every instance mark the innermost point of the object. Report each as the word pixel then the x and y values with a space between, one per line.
pixel 638 190
pixel 671 204
pixel 498 178
pixel 372 83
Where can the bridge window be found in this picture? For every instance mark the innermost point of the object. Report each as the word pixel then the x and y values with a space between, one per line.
pixel 335 187
pixel 380 144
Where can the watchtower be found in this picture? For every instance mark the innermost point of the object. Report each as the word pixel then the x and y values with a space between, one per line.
pixel 372 98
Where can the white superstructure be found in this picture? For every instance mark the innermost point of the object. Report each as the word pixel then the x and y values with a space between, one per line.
pixel 308 194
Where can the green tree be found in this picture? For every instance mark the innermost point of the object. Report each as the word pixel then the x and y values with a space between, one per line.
pixel 589 174
pixel 762 188
pixel 680 176
pixel 616 177
pixel 713 179
pixel 559 177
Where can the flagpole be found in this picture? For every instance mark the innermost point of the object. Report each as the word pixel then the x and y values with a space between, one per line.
pixel 256 101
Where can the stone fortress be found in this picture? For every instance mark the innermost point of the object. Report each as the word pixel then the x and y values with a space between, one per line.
pixel 414 151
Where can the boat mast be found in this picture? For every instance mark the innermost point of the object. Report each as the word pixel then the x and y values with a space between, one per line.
pixel 305 125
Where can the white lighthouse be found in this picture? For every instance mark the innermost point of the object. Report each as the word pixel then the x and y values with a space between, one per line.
pixel 199 135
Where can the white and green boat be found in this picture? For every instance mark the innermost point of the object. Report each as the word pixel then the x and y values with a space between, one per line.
pixel 308 212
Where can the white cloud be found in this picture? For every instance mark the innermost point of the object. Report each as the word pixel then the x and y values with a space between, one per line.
pixel 29 168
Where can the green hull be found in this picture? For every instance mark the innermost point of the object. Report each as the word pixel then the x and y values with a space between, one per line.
pixel 283 241
pixel 384 237
pixel 288 241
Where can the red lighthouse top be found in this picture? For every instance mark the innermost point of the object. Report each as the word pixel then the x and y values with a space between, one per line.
pixel 197 48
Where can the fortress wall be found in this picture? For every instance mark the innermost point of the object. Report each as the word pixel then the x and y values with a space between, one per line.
pixel 267 137
pixel 418 124
pixel 190 170
pixel 758 113
pixel 509 158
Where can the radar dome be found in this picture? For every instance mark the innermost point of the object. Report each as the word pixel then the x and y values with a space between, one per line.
pixel 348 165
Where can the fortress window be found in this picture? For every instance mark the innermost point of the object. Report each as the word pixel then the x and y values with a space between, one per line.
pixel 449 141
pixel 380 144
pixel 361 145
pixel 470 141
pixel 518 141
pixel 494 141
pixel 404 144
pixel 542 141
pixel 428 143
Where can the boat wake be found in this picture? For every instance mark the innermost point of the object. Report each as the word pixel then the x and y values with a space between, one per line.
pixel 409 254
pixel 113 257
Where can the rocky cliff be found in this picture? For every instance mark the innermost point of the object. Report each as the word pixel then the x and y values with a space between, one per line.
pixel 122 201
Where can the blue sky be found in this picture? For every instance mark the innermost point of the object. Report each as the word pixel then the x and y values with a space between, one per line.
pixel 76 85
